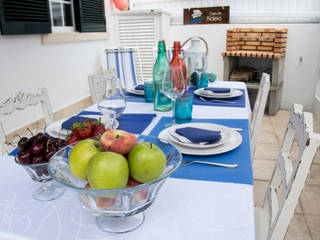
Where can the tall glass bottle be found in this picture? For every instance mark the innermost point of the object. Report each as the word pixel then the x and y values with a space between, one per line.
pixel 177 60
pixel 161 102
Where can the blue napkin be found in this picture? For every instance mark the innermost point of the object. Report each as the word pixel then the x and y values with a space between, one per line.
pixel 68 123
pixel 218 90
pixel 139 87
pixel 198 135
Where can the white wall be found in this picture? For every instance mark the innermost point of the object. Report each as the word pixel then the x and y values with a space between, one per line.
pixel 26 64
pixel 299 78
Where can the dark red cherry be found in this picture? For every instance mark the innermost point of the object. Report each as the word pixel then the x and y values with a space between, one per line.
pixel 37 148
pixel 25 157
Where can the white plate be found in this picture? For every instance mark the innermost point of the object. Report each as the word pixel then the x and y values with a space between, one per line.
pixel 224 131
pixel 233 142
pixel 134 91
pixel 56 131
pixel 234 93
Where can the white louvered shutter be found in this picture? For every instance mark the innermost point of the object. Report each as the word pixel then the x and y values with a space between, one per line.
pixel 141 31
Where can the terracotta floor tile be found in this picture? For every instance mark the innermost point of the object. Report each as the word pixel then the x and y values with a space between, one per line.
pixel 298 229
pixel 266 136
pixel 316 126
pixel 266 123
pixel 314 175
pixel 262 169
pixel 314 226
pixel 317 157
pixel 310 199
pixel 259 189
pixel 279 123
pixel 267 151
pixel 298 209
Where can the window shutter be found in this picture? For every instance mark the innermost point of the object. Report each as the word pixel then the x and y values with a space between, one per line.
pixel 89 15
pixel 24 17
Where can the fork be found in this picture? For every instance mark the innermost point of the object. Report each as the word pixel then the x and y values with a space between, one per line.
pixel 185 162
pixel 215 100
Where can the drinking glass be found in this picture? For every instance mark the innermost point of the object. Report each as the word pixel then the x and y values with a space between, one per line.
pixel 173 86
pixel 112 107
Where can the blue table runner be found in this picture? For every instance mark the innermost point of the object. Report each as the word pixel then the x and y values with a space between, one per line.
pixel 241 155
pixel 240 101
pixel 133 97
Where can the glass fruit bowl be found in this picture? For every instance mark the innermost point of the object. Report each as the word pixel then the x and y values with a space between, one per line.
pixel 116 210
pixel 39 173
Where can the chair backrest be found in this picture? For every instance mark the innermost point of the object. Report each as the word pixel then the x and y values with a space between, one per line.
pixel 124 62
pixel 288 180
pixel 20 101
pixel 98 84
pixel 258 110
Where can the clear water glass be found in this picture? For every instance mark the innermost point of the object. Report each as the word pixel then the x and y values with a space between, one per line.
pixel 112 107
pixel 173 85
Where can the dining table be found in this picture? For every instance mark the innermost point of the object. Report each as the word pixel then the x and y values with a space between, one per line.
pixel 198 202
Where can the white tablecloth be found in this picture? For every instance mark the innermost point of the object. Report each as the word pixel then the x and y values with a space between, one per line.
pixel 183 210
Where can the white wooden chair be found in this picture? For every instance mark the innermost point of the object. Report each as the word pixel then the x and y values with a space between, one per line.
pixel 20 101
pixel 98 85
pixel 287 181
pixel 125 62
pixel 258 110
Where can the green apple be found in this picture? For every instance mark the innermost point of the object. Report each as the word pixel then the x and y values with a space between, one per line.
pixel 108 170
pixel 146 162
pixel 80 156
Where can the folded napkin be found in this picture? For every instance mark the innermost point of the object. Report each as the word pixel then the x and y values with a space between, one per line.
pixel 199 135
pixel 68 123
pixel 139 87
pixel 218 90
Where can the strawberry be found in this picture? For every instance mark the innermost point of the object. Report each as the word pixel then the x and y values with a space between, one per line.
pixel 98 130
pixel 91 123
pixel 75 126
pixel 83 131
pixel 71 138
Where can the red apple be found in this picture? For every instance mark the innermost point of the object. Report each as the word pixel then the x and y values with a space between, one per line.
pixel 85 196
pixel 101 202
pixel 117 141
pixel 142 194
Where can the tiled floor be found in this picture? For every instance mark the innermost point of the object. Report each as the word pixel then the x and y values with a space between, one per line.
pixel 305 224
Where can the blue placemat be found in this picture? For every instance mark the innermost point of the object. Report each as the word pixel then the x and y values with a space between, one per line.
pixel 240 101
pixel 134 123
pixel 241 155
pixel 133 98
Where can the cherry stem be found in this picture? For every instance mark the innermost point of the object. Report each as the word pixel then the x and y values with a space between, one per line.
pixel 48 142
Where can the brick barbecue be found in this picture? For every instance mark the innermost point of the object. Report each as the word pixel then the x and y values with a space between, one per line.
pixel 258 47
pixel 256 42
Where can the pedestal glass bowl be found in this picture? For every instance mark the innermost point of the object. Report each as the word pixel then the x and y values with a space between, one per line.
pixel 39 173
pixel 116 210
